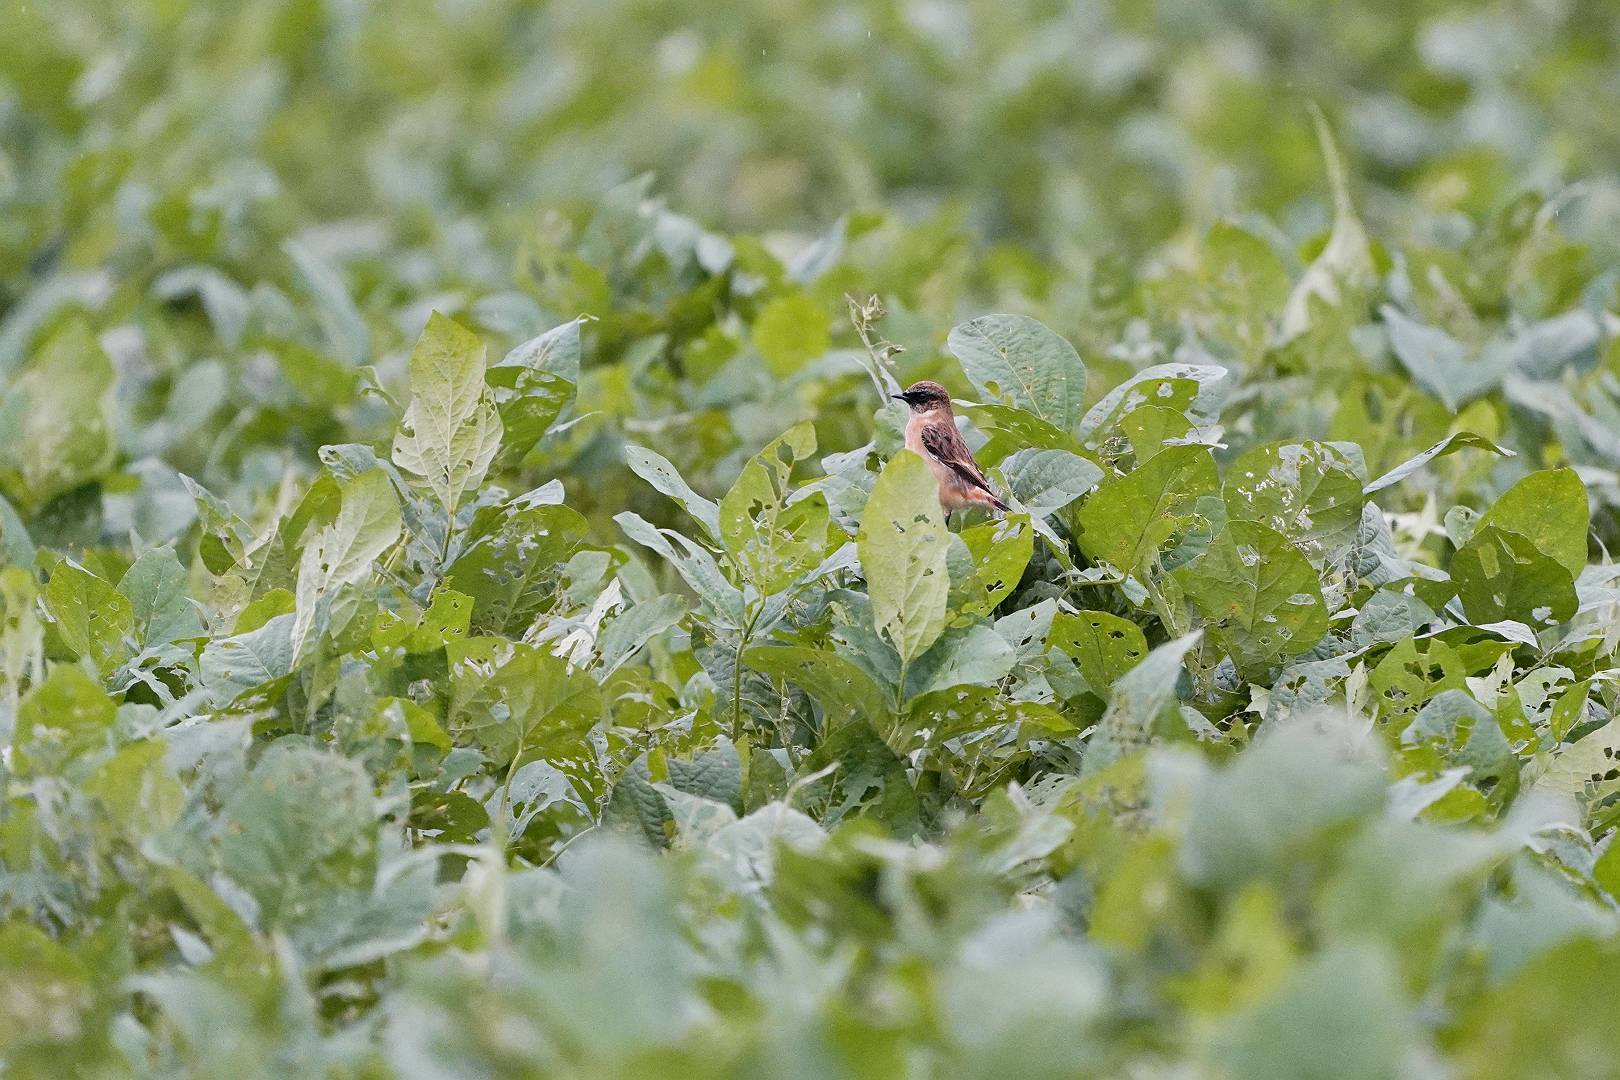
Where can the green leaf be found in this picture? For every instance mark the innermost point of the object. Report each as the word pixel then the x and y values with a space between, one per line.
pixel 1341 1014
pixel 451 430
pixel 234 665
pixel 841 688
pixel 626 634
pixel 666 479
pixel 92 618
pixel 1450 444
pixel 1018 361
pixel 1139 704
pixel 772 541
pixel 1103 646
pixel 1504 575
pixel 59 415
pixel 368 523
pixel 1260 597
pixel 65 716
pixel 512 561
pixel 1310 492
pixel 1128 519
pixel 160 609
pixel 903 548
pixel 1344 270
pixel 1045 481
pixel 1550 510
pixel 986 565
pixel 533 706
pixel 1190 388
pixel 789 332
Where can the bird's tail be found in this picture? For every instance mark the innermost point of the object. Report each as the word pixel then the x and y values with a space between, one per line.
pixel 998 504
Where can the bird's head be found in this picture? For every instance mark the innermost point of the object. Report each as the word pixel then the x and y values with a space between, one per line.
pixel 926 396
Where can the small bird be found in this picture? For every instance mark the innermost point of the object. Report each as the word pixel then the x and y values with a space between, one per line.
pixel 931 433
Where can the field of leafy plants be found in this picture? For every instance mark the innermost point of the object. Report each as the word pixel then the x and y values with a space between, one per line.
pixel 466 612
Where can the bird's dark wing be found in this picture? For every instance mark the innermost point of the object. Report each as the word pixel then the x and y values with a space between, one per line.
pixel 944 443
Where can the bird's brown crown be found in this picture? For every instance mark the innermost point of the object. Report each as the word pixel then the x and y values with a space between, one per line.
pixel 925 396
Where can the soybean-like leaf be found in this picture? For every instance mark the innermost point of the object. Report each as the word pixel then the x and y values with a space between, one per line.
pixel 1138 704
pixel 1020 361
pixel 62 408
pixel 451 430
pixel 902 545
pixel 1504 575
pixel 1549 509
pixel 773 541
pixel 1129 518
pixel 656 469
pixel 1309 491
pixel 1260 596
pixel 1103 646
pixel 1045 481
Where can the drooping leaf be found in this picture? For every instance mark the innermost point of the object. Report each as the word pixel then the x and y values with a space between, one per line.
pixel 1451 443
pixel 665 478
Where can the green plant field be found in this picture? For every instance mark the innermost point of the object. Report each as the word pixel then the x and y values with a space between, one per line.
pixel 466 612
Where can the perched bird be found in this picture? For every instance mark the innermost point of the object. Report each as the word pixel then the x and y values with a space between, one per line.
pixel 931 432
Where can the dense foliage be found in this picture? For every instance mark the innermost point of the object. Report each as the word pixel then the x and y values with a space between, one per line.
pixel 465 610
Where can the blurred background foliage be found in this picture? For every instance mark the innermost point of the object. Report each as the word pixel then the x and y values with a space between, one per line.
pixel 224 225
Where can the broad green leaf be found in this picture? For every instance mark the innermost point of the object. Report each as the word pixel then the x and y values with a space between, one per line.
pixel 1151 427
pixel 1504 575
pixel 963 711
pixel 902 545
pixel 1197 389
pixel 1045 481
pixel 1341 1014
pixel 367 525
pixel 161 612
pixel 1102 645
pixel 93 619
pixel 773 541
pixel 451 430
pixel 1260 597
pixel 56 417
pixel 532 706
pixel 1016 360
pixel 1128 519
pixel 987 565
pixel 234 665
pixel 626 634
pixel 1550 510
pixel 1310 492
pixel 841 688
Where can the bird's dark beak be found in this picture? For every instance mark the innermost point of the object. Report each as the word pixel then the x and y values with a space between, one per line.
pixel 901 397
